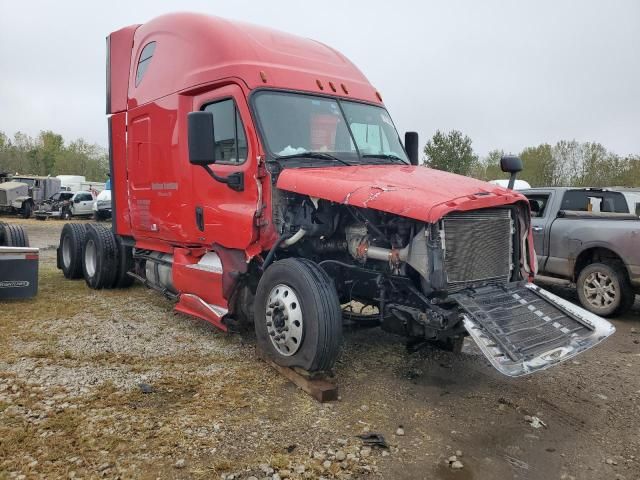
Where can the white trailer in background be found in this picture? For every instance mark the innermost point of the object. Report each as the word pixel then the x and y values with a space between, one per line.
pixel 79 183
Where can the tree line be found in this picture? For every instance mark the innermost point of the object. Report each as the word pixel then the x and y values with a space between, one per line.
pixel 49 154
pixel 567 163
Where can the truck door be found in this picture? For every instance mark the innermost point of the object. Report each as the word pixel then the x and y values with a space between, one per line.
pixel 221 214
pixel 83 203
pixel 540 217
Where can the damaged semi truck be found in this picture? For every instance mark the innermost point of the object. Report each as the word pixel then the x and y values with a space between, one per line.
pixel 258 178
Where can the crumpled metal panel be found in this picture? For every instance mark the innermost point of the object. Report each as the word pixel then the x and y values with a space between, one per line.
pixel 536 331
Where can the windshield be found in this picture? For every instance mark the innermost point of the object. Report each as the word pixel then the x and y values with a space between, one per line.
pixel 296 125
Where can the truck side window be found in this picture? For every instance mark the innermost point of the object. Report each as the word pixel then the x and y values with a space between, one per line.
pixel 229 136
pixel 594 201
pixel 145 59
pixel 538 204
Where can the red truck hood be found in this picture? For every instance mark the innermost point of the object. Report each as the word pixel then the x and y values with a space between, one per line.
pixel 409 191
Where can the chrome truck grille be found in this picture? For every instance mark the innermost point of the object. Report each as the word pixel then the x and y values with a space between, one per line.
pixel 477 248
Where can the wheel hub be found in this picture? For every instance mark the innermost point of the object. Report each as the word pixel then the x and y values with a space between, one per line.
pixel 90 257
pixel 599 290
pixel 284 320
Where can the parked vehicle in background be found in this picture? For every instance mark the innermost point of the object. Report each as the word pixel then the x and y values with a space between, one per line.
pixel 78 183
pixel 66 205
pixel 519 184
pixel 22 194
pixel 102 206
pixel 590 237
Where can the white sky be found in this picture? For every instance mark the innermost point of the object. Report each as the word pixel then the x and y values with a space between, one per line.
pixel 509 74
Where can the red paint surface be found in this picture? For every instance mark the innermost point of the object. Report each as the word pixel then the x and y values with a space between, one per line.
pixel 414 192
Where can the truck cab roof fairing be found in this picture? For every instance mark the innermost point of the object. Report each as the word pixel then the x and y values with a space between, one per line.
pixel 196 49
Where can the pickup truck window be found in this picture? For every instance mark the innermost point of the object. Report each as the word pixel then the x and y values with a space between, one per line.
pixel 84 197
pixel 594 201
pixel 228 132
pixel 295 124
pixel 538 203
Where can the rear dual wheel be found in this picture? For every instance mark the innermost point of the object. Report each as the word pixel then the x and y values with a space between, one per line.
pixel 95 253
pixel 13 236
pixel 297 315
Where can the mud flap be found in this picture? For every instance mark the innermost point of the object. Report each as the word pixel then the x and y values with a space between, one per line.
pixel 522 328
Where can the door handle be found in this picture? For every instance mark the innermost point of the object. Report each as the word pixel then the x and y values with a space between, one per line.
pixel 200 218
pixel 537 229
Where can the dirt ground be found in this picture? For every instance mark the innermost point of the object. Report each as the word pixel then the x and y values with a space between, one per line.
pixel 75 365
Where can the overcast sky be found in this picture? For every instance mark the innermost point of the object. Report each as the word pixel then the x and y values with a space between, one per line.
pixel 507 73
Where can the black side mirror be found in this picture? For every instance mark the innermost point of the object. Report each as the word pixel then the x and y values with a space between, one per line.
pixel 77 200
pixel 411 146
pixel 202 149
pixel 201 139
pixel 511 164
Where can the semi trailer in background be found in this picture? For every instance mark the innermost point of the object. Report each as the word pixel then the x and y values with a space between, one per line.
pixel 258 179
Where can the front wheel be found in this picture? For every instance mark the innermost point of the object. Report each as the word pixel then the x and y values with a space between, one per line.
pixel 604 289
pixel 27 209
pixel 65 213
pixel 297 316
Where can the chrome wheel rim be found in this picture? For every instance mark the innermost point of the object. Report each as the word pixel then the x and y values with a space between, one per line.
pixel 599 290
pixel 66 252
pixel 284 320
pixel 90 257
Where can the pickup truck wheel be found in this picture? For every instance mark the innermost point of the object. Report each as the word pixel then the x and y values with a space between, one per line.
pixel 604 289
pixel 14 236
pixel 297 316
pixel 99 257
pixel 70 250
pixel 65 213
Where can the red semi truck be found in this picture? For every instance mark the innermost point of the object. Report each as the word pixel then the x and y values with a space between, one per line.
pixel 257 178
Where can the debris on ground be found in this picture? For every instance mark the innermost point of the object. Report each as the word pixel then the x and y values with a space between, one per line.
pixel 535 422
pixel 454 463
pixel 373 439
pixel 145 388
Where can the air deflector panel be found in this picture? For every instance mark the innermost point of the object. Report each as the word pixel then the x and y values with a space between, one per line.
pixel 522 328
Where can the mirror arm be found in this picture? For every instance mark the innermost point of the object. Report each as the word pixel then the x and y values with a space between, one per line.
pixel 234 181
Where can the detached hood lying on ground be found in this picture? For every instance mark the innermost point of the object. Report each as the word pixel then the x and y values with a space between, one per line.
pixel 415 192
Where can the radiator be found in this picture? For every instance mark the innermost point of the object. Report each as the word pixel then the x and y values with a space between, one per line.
pixel 478 247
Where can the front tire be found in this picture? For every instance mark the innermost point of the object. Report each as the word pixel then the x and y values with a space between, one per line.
pixel 27 209
pixel 604 289
pixel 297 316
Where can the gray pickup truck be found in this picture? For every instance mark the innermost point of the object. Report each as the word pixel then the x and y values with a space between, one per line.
pixel 591 238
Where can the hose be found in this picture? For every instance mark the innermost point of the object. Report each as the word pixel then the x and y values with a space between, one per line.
pixel 272 252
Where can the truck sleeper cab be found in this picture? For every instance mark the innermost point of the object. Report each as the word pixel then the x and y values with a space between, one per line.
pixel 258 178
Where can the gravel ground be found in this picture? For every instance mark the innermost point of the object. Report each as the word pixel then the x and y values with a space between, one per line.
pixel 113 384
